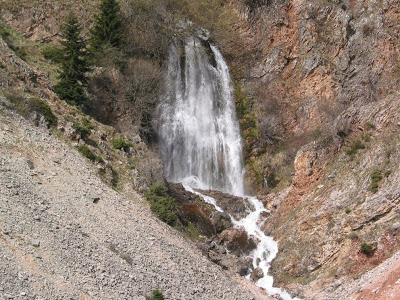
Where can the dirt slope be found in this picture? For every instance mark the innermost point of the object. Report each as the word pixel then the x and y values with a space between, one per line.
pixel 66 235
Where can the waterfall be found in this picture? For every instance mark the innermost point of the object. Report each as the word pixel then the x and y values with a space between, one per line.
pixel 199 135
pixel 200 138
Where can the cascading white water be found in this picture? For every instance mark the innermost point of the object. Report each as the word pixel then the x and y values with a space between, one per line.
pixel 199 135
pixel 200 138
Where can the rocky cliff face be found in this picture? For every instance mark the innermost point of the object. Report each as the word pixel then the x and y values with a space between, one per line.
pixel 323 78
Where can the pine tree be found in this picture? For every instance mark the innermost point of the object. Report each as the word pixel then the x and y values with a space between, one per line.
pixel 74 65
pixel 108 26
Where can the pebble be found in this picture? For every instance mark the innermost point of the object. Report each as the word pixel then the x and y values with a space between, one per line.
pixel 35 243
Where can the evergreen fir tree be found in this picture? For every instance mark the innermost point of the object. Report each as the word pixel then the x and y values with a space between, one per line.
pixel 74 65
pixel 108 26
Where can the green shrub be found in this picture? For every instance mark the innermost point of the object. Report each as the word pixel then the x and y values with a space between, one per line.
pixel 376 176
pixel 43 109
pixel 20 52
pixel 4 32
pixel 26 106
pixel 317 134
pixel 157 295
pixel 164 207
pixel 366 137
pixel 86 152
pixel 388 172
pixel 53 53
pixel 84 129
pixel 369 125
pixel 347 210
pixel 120 144
pixel 354 147
pixel 366 249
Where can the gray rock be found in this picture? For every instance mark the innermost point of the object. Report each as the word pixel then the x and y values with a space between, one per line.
pixel 35 243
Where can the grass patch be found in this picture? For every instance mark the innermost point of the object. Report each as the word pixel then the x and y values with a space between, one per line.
pixel 29 51
pixel 191 232
pixel 317 134
pixel 8 36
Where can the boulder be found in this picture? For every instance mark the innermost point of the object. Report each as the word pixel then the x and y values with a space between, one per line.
pixel 257 274
pixel 237 241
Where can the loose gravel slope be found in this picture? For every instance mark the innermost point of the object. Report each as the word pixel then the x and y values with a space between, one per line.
pixel 66 235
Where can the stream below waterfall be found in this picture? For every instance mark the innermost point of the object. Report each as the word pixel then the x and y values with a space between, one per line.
pixel 200 139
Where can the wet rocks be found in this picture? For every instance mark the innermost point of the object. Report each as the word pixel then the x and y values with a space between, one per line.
pixel 232 205
pixel 257 274
pixel 237 241
pixel 226 246
pixel 193 209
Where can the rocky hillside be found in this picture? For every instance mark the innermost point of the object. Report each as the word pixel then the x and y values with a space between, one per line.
pixel 66 234
pixel 316 83
pixel 323 82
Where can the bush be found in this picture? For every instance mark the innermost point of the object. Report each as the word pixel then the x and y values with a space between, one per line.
pixel 366 137
pixel 26 106
pixel 376 176
pixel 369 125
pixel 164 207
pixel 20 52
pixel 53 53
pixel 43 109
pixel 4 32
pixel 120 144
pixel 86 152
pixel 83 129
pixel 366 249
pixel 354 147
pixel 157 295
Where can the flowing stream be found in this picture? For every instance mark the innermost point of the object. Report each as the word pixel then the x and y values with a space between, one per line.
pixel 200 139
